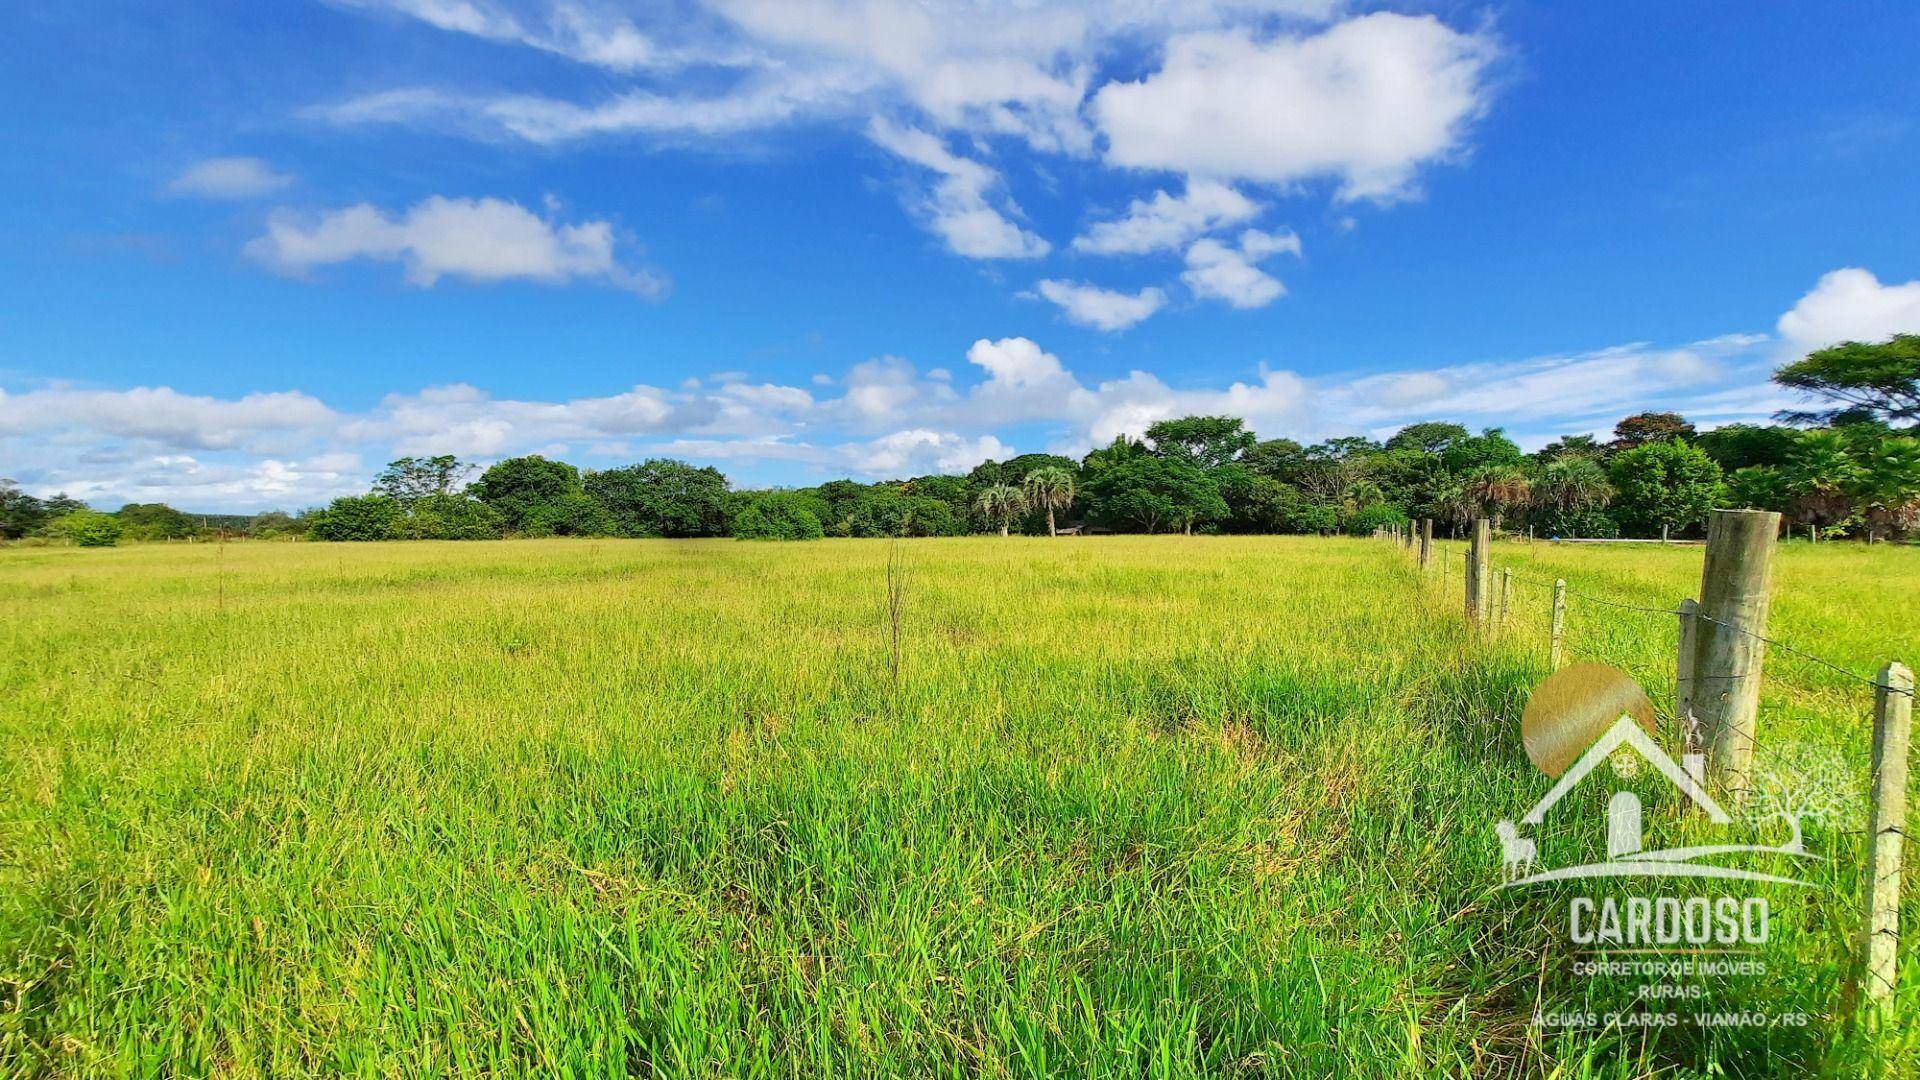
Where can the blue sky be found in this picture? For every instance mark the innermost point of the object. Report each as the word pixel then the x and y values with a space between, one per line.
pixel 255 251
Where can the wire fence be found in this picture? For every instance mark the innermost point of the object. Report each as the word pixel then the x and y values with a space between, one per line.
pixel 1893 694
pixel 1449 551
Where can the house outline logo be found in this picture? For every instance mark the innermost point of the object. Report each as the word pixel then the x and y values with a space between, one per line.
pixel 1626 857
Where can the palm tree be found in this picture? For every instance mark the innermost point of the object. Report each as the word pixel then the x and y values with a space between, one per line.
pixel 1498 488
pixel 1572 484
pixel 1052 487
pixel 1822 477
pixel 1001 501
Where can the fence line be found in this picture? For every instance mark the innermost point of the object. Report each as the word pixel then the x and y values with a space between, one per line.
pixel 1743 559
pixel 1771 642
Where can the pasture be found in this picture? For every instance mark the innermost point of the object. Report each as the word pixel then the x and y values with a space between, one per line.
pixel 1112 806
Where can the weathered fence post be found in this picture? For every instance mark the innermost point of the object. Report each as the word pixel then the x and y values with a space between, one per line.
pixel 1683 675
pixel 1426 542
pixel 1477 591
pixel 1506 593
pixel 1729 652
pixel 1892 725
pixel 1559 631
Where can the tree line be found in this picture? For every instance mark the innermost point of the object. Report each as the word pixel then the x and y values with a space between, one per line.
pixel 1850 470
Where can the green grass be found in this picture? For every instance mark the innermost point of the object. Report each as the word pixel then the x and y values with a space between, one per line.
pixel 1122 807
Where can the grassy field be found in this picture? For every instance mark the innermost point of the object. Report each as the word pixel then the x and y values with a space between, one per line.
pixel 1099 807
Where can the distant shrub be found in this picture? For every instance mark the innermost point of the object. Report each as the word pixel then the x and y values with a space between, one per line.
pixel 573 514
pixel 356 517
pixel 448 517
pixel 1368 518
pixel 88 528
pixel 154 521
pixel 1313 517
pixel 777 516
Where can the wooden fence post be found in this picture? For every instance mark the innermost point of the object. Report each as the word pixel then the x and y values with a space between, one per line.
pixel 1559 632
pixel 1892 725
pixel 1426 542
pixel 1683 675
pixel 1477 591
pixel 1506 593
pixel 1729 653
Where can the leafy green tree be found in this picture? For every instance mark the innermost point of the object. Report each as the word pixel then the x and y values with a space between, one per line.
pixel 1365 519
pixel 1000 502
pixel 1317 518
pixel 276 524
pixel 1280 459
pixel 1489 448
pixel 20 513
pixel 447 517
pixel 1256 502
pixel 1881 380
pixel 662 497
pixel 357 517
pixel 410 478
pixel 1428 438
pixel 154 521
pixel 1581 446
pixel 1014 469
pixel 1737 446
pixel 1206 441
pixel 1052 488
pixel 1650 427
pixel 87 528
pixel 1759 487
pixel 778 515
pixel 537 497
pixel 1670 484
pixel 1154 494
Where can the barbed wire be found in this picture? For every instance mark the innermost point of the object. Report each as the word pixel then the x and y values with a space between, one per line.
pixel 1771 642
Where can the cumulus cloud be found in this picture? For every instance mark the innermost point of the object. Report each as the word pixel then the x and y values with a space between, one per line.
pixel 957 208
pixel 1850 304
pixel 1218 271
pixel 228 178
pixel 483 240
pixel 1166 222
pixel 1364 102
pixel 883 417
pixel 1102 309
pixel 920 450
pixel 161 414
pixel 1251 92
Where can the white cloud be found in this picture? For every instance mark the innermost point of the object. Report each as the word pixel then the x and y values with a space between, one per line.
pixel 1270 92
pixel 483 240
pixel 1217 271
pixel 1102 309
pixel 957 208
pixel 883 417
pixel 590 35
pixel 1167 222
pixel 919 450
pixel 1365 102
pixel 160 414
pixel 1850 305
pixel 229 178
